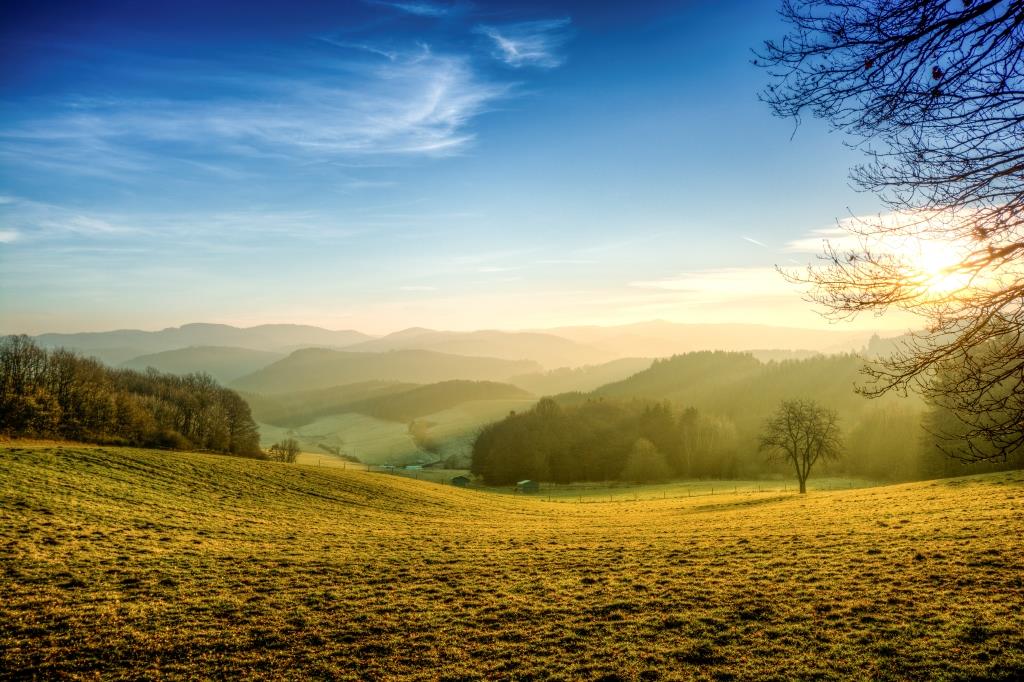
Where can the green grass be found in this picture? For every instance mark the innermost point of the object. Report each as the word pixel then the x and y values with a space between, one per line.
pixel 622 491
pixel 373 441
pixel 377 441
pixel 129 564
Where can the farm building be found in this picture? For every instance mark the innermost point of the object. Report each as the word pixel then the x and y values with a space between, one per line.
pixel 528 486
pixel 461 481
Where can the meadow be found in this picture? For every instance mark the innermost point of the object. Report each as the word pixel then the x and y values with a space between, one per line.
pixel 378 441
pixel 127 564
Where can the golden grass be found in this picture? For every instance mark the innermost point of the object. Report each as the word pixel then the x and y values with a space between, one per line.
pixel 127 564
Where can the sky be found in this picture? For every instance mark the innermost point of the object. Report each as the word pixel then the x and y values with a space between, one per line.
pixel 377 164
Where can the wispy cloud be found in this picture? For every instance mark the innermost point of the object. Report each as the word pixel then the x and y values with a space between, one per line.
pixel 529 43
pixel 566 261
pixel 32 221
pixel 897 232
pixel 370 48
pixel 754 241
pixel 716 284
pixel 419 8
pixel 8 236
pixel 419 103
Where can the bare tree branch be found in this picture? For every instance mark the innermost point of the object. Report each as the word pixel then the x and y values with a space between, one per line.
pixel 933 93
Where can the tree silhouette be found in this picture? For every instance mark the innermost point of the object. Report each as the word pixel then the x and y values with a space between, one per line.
pixel 60 394
pixel 933 93
pixel 802 433
pixel 286 450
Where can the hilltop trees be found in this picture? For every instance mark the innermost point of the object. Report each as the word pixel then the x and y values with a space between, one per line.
pixel 58 394
pixel 802 433
pixel 933 93
pixel 601 440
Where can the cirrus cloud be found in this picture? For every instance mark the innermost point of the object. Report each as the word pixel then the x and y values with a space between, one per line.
pixel 529 43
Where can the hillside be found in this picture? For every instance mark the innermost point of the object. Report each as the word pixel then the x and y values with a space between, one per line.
pixel 119 563
pixel 370 440
pixel 115 347
pixel 658 338
pixel 320 368
pixel 587 378
pixel 302 407
pixel 549 350
pixel 741 387
pixel 223 363
pixel 373 420
pixel 393 401
pixel 424 400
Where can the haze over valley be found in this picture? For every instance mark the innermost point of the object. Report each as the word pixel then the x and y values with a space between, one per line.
pixel 479 340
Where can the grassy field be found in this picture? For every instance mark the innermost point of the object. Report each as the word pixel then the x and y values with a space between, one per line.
pixel 377 441
pixel 373 441
pixel 135 564
pixel 620 491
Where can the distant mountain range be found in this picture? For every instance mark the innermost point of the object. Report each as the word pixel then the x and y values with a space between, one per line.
pixel 659 339
pixel 550 350
pixel 223 363
pixel 116 347
pixel 315 368
pixel 542 361
pixel 396 402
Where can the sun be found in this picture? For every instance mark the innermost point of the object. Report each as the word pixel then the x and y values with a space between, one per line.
pixel 937 268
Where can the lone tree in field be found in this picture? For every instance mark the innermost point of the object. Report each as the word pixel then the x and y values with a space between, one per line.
pixel 803 433
pixel 932 91
pixel 285 451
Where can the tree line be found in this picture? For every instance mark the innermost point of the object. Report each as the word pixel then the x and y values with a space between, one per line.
pixel 577 437
pixel 59 394
pixel 605 439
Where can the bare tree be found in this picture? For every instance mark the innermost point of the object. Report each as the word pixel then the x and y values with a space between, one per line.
pixel 932 91
pixel 285 451
pixel 802 433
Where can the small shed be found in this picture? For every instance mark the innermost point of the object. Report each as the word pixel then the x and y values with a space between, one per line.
pixel 413 467
pixel 528 486
pixel 461 481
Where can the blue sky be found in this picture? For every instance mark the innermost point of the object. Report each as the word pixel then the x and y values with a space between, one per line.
pixel 377 165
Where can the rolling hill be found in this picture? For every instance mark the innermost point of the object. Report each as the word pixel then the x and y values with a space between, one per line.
pixel 319 368
pixel 741 387
pixel 373 420
pixel 391 401
pixel 587 378
pixel 302 407
pixel 424 400
pixel 222 363
pixel 115 347
pixel 549 350
pixel 658 339
pixel 122 563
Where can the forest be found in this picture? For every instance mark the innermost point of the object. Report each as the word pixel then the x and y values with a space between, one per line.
pixel 59 394
pixel 699 415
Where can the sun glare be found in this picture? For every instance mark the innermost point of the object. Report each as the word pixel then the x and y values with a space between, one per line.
pixel 940 267
pixel 936 268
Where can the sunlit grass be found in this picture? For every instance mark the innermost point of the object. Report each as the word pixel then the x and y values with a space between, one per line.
pixel 121 563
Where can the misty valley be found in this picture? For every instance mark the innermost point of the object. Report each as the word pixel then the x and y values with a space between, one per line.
pixel 473 340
